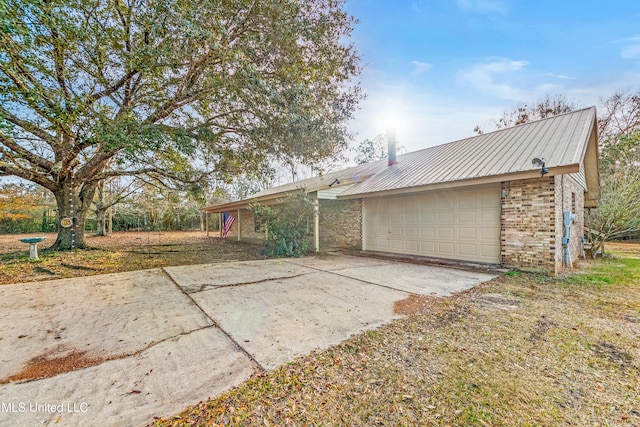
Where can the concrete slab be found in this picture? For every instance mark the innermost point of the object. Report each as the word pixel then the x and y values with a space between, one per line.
pixel 418 279
pixel 337 261
pixel 278 320
pixel 160 381
pixel 167 352
pixel 105 316
pixel 196 278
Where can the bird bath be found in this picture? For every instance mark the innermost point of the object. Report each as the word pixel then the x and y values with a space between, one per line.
pixel 33 245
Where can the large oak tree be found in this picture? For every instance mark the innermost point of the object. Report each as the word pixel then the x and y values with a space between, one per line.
pixel 91 89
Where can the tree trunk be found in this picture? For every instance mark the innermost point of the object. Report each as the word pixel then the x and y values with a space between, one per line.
pixel 100 211
pixel 73 203
pixel 101 220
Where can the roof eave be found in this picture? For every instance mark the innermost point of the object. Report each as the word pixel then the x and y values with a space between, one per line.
pixel 274 196
pixel 559 170
pixel 591 161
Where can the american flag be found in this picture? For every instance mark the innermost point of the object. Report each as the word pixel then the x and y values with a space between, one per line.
pixel 227 222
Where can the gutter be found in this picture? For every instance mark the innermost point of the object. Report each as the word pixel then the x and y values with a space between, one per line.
pixel 493 179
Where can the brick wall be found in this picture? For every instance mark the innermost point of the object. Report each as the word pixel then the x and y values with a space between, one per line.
pixel 532 223
pixel 340 224
pixel 569 197
pixel 247 227
pixel 528 224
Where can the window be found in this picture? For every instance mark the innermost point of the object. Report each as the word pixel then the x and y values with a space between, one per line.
pixel 258 223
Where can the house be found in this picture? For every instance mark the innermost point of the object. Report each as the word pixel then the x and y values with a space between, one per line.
pixel 482 199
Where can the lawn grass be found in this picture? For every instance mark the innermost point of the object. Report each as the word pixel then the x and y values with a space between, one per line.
pixel 122 251
pixel 520 350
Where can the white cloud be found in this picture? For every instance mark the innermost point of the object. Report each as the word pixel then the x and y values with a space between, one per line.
pixel 631 50
pixel 489 77
pixel 560 76
pixel 509 79
pixel 483 6
pixel 420 68
pixel 419 6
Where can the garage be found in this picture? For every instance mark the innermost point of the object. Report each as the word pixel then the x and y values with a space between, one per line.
pixel 458 224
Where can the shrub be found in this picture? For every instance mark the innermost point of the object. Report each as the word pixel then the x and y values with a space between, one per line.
pixel 288 224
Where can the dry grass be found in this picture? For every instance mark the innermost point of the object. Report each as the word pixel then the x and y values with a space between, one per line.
pixel 54 363
pixel 126 251
pixel 520 350
pixel 626 249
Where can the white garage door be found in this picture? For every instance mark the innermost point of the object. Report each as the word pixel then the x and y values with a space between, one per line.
pixel 460 224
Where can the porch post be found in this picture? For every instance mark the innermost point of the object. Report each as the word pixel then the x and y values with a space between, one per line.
pixel 238 224
pixel 316 224
pixel 206 222
pixel 220 224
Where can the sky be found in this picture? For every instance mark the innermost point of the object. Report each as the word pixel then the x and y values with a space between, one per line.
pixel 434 69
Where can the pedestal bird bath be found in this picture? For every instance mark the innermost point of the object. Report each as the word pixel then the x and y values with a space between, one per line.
pixel 33 245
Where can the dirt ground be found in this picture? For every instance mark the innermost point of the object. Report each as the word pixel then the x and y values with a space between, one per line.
pixel 122 251
pixel 627 248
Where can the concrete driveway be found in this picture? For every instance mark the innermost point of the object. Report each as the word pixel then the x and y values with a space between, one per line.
pixel 149 343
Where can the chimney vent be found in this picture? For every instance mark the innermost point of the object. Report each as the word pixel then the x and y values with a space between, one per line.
pixel 391 147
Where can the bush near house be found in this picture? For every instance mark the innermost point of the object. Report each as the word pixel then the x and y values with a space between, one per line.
pixel 288 224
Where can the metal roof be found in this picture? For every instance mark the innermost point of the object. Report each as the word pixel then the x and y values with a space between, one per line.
pixel 345 176
pixel 561 140
pixel 349 175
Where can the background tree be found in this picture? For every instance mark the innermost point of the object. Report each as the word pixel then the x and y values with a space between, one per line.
pixel 619 114
pixel 374 149
pixel 619 131
pixel 109 193
pixel 548 106
pixel 618 211
pixel 371 150
pixel 25 209
pixel 92 89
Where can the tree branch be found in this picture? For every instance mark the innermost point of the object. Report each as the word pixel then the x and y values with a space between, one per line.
pixel 89 171
pixel 121 197
pixel 58 56
pixel 108 91
pixel 28 126
pixel 116 173
pixel 9 169
pixel 25 154
pixel 149 171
